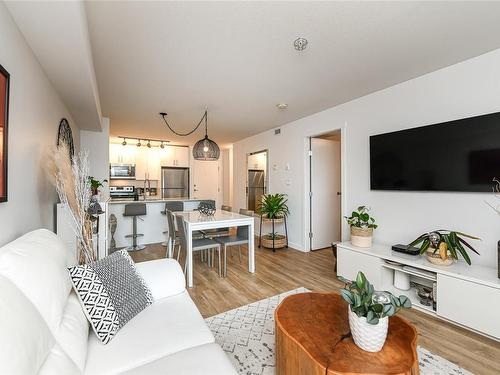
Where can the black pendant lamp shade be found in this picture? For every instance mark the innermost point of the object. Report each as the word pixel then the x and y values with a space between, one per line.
pixel 206 149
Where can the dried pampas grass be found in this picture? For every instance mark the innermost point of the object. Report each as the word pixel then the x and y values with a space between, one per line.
pixel 71 180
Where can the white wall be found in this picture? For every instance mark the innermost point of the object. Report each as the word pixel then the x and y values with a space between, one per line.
pixel 97 145
pixel 35 110
pixel 466 89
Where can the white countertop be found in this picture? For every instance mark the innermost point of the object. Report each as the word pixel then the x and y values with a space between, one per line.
pixel 152 200
pixel 460 269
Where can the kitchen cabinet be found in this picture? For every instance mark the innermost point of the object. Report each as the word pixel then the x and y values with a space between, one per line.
pixel 147 163
pixel 175 156
pixel 119 154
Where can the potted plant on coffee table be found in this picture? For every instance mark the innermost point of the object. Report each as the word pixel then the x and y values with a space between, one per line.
pixel 369 312
pixel 273 208
pixel 362 226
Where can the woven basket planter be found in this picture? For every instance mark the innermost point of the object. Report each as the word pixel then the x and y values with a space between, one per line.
pixel 276 219
pixel 361 237
pixel 279 241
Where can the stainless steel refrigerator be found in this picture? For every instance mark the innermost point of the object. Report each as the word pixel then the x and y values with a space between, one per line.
pixel 174 182
pixel 256 187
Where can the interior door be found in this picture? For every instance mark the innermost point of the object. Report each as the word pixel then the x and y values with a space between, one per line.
pixel 206 180
pixel 325 189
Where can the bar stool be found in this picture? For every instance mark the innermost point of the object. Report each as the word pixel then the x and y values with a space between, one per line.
pixel 134 210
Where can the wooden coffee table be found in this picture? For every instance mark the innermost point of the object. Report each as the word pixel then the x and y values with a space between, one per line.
pixel 313 337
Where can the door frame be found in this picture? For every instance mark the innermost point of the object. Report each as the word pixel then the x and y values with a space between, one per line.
pixel 266 179
pixel 307 183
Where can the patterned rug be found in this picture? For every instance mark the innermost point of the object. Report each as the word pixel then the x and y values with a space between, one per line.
pixel 247 336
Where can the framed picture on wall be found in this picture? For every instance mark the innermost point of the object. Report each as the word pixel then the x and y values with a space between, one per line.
pixel 4 119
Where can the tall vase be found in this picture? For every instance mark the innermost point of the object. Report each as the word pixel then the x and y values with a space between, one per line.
pixel 498 252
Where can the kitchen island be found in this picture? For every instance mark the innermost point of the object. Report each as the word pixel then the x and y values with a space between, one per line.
pixel 152 225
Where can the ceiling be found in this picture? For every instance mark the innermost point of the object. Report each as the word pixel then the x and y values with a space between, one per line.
pixel 58 35
pixel 237 58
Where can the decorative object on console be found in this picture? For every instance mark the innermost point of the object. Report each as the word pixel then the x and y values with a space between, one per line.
pixel 73 186
pixel 369 312
pixel 4 120
pixel 111 292
pixel 96 184
pixel 112 222
pixel 362 226
pixel 273 208
pixel 496 192
pixel 443 246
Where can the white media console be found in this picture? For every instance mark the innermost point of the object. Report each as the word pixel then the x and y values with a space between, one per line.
pixel 466 295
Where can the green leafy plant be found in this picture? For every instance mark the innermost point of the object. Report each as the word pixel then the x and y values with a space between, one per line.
pixel 364 301
pixel 444 240
pixel 361 218
pixel 96 184
pixel 274 206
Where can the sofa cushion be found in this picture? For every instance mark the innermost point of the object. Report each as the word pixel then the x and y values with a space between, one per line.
pixel 111 292
pixel 36 263
pixel 168 326
pixel 58 362
pixel 163 276
pixel 208 359
pixel 73 333
pixel 25 339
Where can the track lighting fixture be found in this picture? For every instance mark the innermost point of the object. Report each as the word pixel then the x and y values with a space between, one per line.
pixel 150 142
pixel 162 145
pixel 139 143
pixel 124 143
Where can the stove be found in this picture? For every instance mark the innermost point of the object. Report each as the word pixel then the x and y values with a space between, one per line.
pixel 121 191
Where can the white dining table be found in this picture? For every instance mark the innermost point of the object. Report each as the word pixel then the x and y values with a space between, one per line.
pixel 195 220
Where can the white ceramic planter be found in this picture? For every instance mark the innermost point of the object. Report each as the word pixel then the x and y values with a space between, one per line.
pixel 367 336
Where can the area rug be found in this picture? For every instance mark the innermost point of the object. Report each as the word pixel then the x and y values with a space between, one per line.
pixel 247 336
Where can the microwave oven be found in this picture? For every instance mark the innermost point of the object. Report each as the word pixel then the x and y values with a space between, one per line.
pixel 122 171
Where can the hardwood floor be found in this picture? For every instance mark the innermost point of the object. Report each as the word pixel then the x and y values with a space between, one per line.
pixel 289 269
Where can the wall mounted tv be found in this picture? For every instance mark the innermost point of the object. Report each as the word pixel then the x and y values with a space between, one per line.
pixel 460 155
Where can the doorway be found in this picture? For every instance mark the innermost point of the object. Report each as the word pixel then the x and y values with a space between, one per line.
pixel 325 207
pixel 206 180
pixel 257 177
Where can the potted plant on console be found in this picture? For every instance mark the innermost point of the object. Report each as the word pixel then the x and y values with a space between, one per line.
pixel 369 312
pixel 442 247
pixel 362 226
pixel 273 208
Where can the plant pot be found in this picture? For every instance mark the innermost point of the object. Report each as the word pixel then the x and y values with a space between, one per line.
pixel 279 241
pixel 368 337
pixel 433 256
pixel 361 237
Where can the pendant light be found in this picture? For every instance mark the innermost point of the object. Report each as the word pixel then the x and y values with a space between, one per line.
pixel 205 149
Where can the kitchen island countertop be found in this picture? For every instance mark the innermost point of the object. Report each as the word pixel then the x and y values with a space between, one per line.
pixel 152 200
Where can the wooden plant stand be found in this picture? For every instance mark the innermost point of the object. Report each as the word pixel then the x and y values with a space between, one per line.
pixel 275 245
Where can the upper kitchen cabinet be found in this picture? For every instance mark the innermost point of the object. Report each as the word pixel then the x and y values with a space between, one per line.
pixel 175 156
pixel 148 165
pixel 119 154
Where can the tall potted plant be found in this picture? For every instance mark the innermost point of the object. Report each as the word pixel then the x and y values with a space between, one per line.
pixel 362 226
pixel 369 312
pixel 274 208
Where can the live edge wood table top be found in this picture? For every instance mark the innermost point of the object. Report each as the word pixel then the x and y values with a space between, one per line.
pixel 313 337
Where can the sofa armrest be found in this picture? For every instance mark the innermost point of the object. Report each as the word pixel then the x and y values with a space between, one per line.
pixel 164 277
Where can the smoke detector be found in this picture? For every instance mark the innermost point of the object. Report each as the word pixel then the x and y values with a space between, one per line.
pixel 300 43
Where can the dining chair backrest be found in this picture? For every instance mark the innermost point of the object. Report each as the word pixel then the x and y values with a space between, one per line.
pixel 242 231
pixel 182 231
pixel 170 223
pixel 174 206
pixel 226 208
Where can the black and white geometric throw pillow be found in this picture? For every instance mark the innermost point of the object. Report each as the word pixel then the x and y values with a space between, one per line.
pixel 111 292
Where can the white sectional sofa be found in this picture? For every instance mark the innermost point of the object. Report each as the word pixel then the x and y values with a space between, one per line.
pixel 43 329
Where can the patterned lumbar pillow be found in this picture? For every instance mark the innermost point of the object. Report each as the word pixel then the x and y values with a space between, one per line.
pixel 111 292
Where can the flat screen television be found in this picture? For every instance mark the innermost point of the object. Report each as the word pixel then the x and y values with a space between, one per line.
pixel 460 155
